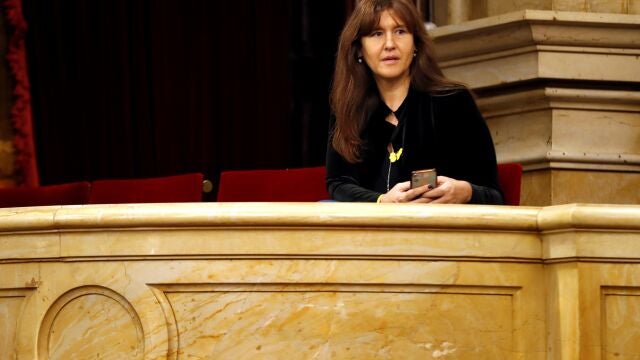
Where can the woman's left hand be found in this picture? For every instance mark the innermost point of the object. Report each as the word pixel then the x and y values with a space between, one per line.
pixel 449 191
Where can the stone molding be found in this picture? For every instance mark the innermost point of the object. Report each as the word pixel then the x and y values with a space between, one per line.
pixel 534 44
pixel 524 28
pixel 60 231
pixel 560 92
pixel 550 97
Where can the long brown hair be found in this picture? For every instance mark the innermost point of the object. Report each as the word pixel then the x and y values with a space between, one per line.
pixel 353 92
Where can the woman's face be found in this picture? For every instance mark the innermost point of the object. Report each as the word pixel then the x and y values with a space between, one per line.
pixel 388 50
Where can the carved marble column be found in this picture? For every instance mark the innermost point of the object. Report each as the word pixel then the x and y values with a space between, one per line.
pixel 561 94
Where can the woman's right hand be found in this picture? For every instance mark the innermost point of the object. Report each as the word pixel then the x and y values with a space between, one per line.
pixel 402 193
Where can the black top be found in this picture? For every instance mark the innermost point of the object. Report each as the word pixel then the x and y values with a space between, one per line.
pixel 441 131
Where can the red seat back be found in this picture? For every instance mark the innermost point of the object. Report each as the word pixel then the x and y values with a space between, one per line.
pixel 73 193
pixel 299 184
pixel 510 178
pixel 179 188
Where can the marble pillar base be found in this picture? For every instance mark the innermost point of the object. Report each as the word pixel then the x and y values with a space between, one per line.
pixel 560 94
pixel 544 187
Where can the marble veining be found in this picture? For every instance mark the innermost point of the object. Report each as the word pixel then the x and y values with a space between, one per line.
pixel 91 323
pixel 621 338
pixel 126 282
pixel 328 325
pixel 9 313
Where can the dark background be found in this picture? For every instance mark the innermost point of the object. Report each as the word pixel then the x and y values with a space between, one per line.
pixel 143 88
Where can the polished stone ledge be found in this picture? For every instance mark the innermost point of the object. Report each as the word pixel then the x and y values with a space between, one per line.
pixel 266 214
pixel 302 230
pixel 253 230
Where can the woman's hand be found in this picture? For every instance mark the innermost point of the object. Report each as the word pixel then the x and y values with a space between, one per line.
pixel 448 191
pixel 402 193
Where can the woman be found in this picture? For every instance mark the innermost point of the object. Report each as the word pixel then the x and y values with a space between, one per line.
pixel 394 112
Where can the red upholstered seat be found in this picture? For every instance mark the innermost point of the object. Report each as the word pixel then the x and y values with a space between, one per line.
pixel 62 194
pixel 179 188
pixel 299 184
pixel 308 184
pixel 510 178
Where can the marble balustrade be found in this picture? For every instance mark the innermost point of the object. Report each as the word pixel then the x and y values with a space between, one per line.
pixel 320 281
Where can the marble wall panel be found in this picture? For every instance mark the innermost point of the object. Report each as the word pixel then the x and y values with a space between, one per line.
pixel 459 11
pixel 621 327
pixel 608 6
pixel 91 323
pixel 364 286
pixel 90 297
pixel 197 299
pixel 43 244
pixel 570 5
pixel 555 187
pixel 609 300
pixel 589 66
pixel 498 7
pixel 19 275
pixel 562 308
pixel 593 131
pixel 521 137
pixel 576 186
pixel 18 284
pixel 253 322
pixel 536 188
pixel 10 310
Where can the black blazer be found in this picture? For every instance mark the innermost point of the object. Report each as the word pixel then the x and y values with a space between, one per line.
pixel 442 131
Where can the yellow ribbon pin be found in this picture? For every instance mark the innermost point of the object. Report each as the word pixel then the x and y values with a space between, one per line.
pixel 395 156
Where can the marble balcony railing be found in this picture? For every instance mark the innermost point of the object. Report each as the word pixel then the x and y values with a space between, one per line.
pixel 319 280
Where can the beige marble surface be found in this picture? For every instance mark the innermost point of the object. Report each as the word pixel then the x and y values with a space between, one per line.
pixel 11 302
pixel 545 84
pixel 321 324
pixel 458 11
pixel 621 315
pixel 91 322
pixel 562 186
pixel 325 281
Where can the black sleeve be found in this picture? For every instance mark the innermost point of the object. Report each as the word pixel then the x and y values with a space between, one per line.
pixel 485 195
pixel 468 148
pixel 343 178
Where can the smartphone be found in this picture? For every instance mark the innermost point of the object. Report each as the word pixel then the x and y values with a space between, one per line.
pixel 423 177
